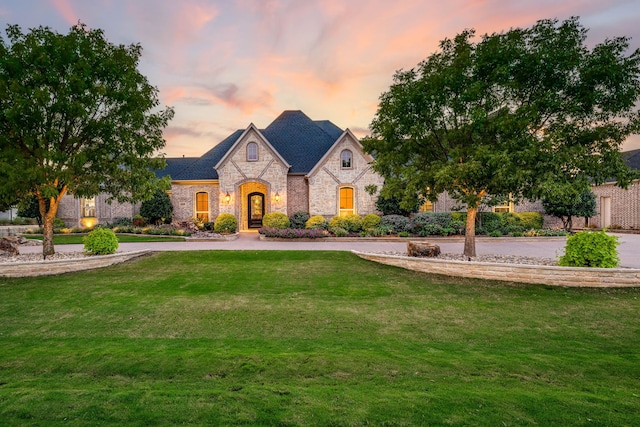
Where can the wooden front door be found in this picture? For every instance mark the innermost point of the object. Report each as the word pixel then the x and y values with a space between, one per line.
pixel 256 209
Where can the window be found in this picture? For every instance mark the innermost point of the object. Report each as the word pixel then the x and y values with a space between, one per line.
pixel 252 152
pixel 346 201
pixel 88 208
pixel 202 206
pixel 427 206
pixel 346 159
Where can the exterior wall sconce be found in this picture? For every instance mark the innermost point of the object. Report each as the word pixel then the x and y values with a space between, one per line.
pixel 277 197
pixel 227 198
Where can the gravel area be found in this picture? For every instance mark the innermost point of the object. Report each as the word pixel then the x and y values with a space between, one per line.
pixel 38 257
pixel 506 259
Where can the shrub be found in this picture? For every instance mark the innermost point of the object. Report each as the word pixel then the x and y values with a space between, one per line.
pixel 531 220
pixel 338 231
pixel 370 222
pixel 317 221
pixel 275 220
pixel 404 234
pixel 351 223
pixel 226 223
pixel 138 220
pixel 101 241
pixel 158 209
pixel 430 230
pixel 489 221
pixel 209 225
pixel 120 222
pixel 299 220
pixel 396 223
pixel 292 233
pixel 495 233
pixel 58 223
pixel 591 249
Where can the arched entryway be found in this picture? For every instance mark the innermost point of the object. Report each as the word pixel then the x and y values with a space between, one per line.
pixel 255 205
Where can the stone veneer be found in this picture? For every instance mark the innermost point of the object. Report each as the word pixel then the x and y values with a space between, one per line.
pixel 69 210
pixel 183 198
pixel 326 179
pixel 547 275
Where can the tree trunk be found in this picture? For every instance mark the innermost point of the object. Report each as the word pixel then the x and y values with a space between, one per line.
pixel 47 221
pixel 470 232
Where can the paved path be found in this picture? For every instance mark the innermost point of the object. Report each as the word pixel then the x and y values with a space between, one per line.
pixel 629 248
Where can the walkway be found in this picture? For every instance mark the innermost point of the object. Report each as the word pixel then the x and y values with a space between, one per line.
pixel 629 248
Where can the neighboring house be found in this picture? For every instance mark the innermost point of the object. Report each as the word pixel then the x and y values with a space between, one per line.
pixel 294 164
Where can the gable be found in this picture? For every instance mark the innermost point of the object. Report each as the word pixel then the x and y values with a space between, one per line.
pixel 331 159
pixel 237 152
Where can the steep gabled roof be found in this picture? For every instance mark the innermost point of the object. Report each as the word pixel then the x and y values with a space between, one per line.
pixel 632 158
pixel 300 140
pixel 264 140
pixel 203 167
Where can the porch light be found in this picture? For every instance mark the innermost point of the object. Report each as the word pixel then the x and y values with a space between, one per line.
pixel 227 198
pixel 277 197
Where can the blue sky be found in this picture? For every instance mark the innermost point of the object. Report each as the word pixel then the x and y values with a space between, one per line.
pixel 226 63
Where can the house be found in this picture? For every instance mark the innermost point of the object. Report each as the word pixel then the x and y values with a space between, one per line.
pixel 294 164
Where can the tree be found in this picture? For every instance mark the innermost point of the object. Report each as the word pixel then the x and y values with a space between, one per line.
pixel 567 201
pixel 30 208
pixel 508 115
pixel 76 116
pixel 391 206
pixel 158 209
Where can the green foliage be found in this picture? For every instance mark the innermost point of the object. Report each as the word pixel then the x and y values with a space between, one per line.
pixel 58 223
pixel 299 219
pixel 275 220
pixel 396 223
pixel 101 241
pixel 30 208
pixel 226 223
pixel 317 221
pixel 72 100
pixel 338 231
pixel 158 209
pixel 468 120
pixel 370 221
pixel 567 201
pixel 352 223
pixel 391 205
pixel 531 220
pixel 591 249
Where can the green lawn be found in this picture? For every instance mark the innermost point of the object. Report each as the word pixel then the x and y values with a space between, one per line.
pixel 311 338
pixel 70 239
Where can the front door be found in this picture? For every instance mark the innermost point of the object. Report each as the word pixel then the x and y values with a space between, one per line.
pixel 256 209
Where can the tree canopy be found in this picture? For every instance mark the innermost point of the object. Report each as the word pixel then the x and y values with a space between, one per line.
pixel 509 115
pixel 76 116
pixel 565 203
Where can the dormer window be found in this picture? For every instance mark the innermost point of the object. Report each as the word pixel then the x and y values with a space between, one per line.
pixel 346 159
pixel 252 152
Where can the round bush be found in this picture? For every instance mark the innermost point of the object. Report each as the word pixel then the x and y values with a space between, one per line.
pixel 370 222
pixel 317 221
pixel 225 223
pixel 275 220
pixel 101 241
pixel 299 219
pixel 531 220
pixel 351 222
pixel 591 249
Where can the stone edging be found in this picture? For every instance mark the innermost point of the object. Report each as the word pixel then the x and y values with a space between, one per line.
pixel 538 274
pixel 49 268
pixel 223 238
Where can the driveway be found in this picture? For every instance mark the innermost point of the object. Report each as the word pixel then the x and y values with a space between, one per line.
pixel 629 248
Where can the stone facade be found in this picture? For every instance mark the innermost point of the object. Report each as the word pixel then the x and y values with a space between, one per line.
pixel 71 213
pixel 617 207
pixel 183 198
pixel 328 177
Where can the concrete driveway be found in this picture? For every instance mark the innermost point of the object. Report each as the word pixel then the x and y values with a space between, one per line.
pixel 629 248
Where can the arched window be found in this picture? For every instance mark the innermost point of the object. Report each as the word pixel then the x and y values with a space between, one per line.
pixel 346 159
pixel 202 206
pixel 346 201
pixel 88 207
pixel 252 152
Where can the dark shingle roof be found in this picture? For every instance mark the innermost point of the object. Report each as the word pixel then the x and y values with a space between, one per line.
pixel 299 140
pixel 632 158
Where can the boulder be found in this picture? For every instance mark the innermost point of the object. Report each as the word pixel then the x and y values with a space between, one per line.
pixel 8 247
pixel 423 249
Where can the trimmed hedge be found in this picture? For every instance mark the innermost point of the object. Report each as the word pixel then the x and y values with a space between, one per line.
pixel 591 249
pixel 317 221
pixel 101 241
pixel 226 223
pixel 275 220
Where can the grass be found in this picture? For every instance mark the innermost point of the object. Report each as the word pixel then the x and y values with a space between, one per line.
pixel 71 239
pixel 311 338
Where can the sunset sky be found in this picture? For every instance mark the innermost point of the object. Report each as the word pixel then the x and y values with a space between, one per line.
pixel 224 64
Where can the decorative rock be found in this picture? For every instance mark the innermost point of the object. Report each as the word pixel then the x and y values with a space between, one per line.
pixel 423 249
pixel 9 246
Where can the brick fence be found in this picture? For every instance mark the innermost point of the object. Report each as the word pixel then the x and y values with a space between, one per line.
pixel 50 268
pixel 547 275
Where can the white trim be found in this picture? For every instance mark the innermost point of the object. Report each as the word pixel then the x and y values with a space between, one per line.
pixel 330 151
pixel 260 136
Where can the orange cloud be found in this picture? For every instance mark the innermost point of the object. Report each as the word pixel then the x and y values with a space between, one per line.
pixel 65 9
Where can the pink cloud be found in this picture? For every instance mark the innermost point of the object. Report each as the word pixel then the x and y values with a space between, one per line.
pixel 64 8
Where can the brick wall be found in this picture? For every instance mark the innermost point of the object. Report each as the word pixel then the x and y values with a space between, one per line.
pixel 297 194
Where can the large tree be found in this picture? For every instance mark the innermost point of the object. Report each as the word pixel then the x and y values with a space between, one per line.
pixel 507 116
pixel 568 201
pixel 76 116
